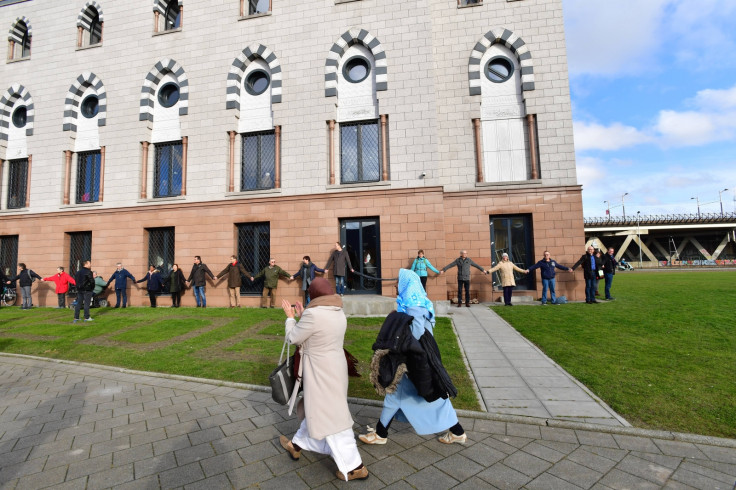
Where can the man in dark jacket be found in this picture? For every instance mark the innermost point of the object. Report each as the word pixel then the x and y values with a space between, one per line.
pixel 197 276
pixel 120 277
pixel 341 260
pixel 609 269
pixel 547 267
pixel 306 272
pixel 25 278
pixel 463 264
pixel 271 273
pixel 85 287
pixel 591 266
pixel 234 271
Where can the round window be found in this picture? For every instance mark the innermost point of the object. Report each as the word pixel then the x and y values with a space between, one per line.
pixel 90 106
pixel 168 96
pixel 356 69
pixel 499 69
pixel 257 82
pixel 20 116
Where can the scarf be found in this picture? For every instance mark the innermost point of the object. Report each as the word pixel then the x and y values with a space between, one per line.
pixel 411 293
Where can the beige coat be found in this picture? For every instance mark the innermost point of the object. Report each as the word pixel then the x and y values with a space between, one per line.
pixel 320 333
pixel 506 271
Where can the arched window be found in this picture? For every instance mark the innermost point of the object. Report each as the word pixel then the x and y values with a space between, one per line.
pixel 95 29
pixel 89 25
pixel 19 39
pixel 172 16
pixel 25 45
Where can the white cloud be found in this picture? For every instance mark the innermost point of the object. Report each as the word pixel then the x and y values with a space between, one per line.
pixel 593 136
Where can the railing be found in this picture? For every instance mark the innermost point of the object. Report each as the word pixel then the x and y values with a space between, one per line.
pixel 660 219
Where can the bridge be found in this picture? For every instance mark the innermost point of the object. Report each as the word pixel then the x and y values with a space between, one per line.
pixel 683 240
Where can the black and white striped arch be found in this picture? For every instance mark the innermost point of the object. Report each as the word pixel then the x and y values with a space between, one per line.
pixel 511 41
pixel 237 71
pixel 150 85
pixel 349 38
pixel 74 99
pixel 7 101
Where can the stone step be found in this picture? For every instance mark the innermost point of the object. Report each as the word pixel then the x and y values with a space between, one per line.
pixel 374 305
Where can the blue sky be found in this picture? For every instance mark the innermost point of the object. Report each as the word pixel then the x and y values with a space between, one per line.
pixel 653 87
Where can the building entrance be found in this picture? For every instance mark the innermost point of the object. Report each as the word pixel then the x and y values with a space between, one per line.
pixel 361 239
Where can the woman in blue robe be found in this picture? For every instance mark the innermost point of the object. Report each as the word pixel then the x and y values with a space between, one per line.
pixel 404 404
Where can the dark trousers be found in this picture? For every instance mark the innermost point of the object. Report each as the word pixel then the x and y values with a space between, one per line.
pixel 83 298
pixel 590 286
pixel 423 280
pixel 460 284
pixel 609 281
pixel 152 297
pixel 62 300
pixel 507 294
pixel 176 299
pixel 118 294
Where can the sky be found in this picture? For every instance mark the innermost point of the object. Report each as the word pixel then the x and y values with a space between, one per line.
pixel 653 88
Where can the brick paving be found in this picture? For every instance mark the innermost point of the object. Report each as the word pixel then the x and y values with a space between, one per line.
pixel 66 425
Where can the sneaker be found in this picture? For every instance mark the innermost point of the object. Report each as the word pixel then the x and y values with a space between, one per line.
pixel 76 320
pixel 544 304
pixel 372 438
pixel 449 438
pixel 357 474
pixel 286 444
pixel 88 319
pixel 610 299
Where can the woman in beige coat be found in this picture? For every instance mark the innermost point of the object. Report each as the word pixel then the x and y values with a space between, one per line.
pixel 506 270
pixel 326 424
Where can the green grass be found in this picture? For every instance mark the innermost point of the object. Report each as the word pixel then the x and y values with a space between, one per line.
pixel 240 345
pixel 663 354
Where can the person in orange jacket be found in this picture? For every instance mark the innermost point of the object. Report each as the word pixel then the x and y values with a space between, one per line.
pixel 62 281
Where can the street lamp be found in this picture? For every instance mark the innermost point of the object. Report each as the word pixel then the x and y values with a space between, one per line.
pixel 638 233
pixel 608 209
pixel 721 200
pixel 697 201
pixel 623 208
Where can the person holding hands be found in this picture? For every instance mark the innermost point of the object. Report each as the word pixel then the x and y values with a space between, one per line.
pixel 506 270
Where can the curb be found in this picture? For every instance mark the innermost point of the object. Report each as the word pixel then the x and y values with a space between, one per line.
pixel 517 419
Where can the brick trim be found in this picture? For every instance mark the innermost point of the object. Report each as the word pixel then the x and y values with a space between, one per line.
pixel 84 19
pixel 150 84
pixel 237 71
pixel 16 34
pixel 349 38
pixel 15 92
pixel 511 41
pixel 74 100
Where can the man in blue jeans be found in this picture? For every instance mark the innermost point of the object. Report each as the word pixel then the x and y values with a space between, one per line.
pixel 547 267
pixel 591 266
pixel 120 277
pixel 197 276
pixel 609 269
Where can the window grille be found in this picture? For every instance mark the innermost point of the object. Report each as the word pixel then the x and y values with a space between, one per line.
pixel 258 6
pixel 80 250
pixel 359 152
pixel 258 161
pixel 9 254
pixel 161 251
pixel 168 168
pixel 254 250
pixel 88 176
pixel 17 182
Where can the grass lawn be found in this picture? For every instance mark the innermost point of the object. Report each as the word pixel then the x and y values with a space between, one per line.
pixel 240 345
pixel 663 354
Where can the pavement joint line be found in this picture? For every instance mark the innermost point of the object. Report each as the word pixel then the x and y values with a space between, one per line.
pixel 517 419
pixel 471 374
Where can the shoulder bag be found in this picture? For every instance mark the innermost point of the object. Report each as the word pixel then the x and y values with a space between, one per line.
pixel 282 378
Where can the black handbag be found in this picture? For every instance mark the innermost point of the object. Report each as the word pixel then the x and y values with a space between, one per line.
pixel 282 378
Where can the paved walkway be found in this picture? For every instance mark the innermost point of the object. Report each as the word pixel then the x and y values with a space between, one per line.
pixel 66 425
pixel 514 377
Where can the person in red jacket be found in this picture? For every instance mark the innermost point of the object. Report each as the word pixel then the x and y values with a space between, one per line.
pixel 62 281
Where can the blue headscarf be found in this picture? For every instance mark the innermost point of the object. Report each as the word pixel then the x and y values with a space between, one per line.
pixel 411 293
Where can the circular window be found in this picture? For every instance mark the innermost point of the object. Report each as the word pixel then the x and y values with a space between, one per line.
pixel 499 69
pixel 168 96
pixel 90 106
pixel 356 69
pixel 257 82
pixel 20 116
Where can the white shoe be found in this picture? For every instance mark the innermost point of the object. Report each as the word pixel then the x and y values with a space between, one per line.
pixel 372 438
pixel 449 438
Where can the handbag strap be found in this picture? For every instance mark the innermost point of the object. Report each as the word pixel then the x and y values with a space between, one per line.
pixel 287 347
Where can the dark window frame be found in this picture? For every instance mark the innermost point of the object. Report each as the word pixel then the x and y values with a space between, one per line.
pixel 17 183
pixel 80 250
pixel 504 235
pixel 9 254
pixel 172 7
pixel 95 28
pixel 353 60
pixel 360 153
pixel 254 251
pixel 169 171
pixel 502 78
pixel 247 171
pixel 162 244
pixel 25 50
pixel 89 177
pixel 249 85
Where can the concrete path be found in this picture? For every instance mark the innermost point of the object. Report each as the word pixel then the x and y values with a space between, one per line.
pixel 66 426
pixel 514 377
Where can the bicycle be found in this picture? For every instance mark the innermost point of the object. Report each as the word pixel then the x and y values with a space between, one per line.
pixel 8 297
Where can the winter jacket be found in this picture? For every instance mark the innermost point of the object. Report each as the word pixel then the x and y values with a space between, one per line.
pixel 153 281
pixel 84 279
pixel 62 281
pixel 506 271
pixel 341 259
pixel 609 264
pixel 234 272
pixel 100 285
pixel 306 272
pixel 197 276
pixel 120 277
pixel 25 277
pixel 588 271
pixel 421 265
pixel 463 267
pixel 547 268
pixel 176 281
pixel 272 276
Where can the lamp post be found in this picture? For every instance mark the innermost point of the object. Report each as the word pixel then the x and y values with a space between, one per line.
pixel 721 200
pixel 638 234
pixel 608 209
pixel 623 208
pixel 697 201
